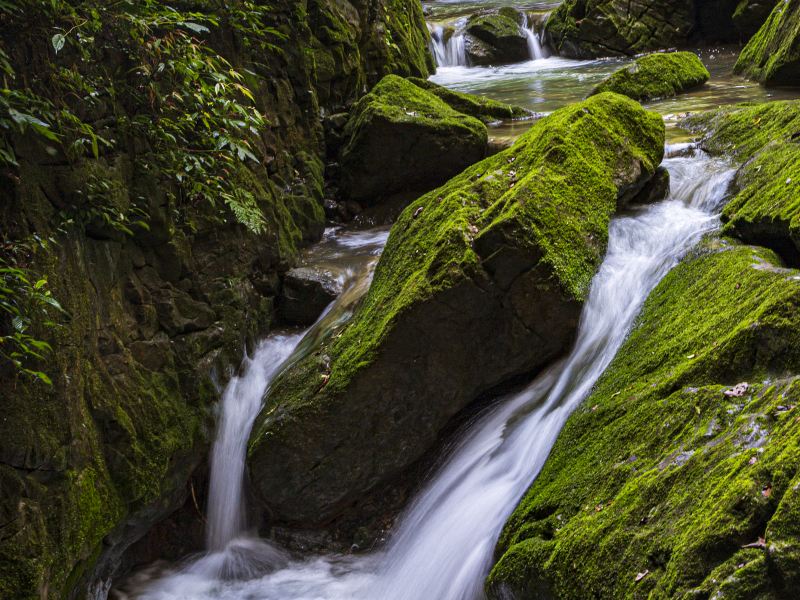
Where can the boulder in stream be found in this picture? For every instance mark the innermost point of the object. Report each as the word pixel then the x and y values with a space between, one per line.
pixel 658 75
pixel 675 478
pixel 402 139
pixel 496 38
pixel 480 107
pixel 306 292
pixel 765 208
pixel 773 54
pixel 482 282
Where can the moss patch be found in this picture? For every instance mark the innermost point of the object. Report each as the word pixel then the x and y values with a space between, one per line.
pixel 661 485
pixel 659 75
pixel 480 107
pixel 772 56
pixel 766 209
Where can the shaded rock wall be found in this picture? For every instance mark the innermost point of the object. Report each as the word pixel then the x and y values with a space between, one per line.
pixel 88 465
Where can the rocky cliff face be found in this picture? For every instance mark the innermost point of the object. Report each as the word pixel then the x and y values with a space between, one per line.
pixel 155 314
pixel 590 28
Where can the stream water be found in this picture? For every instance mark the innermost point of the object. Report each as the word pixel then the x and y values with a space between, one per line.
pixel 441 547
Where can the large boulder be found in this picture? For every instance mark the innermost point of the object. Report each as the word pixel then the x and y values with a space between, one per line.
pixel 765 209
pixel 659 75
pixel 592 28
pixel 496 38
pixel 678 477
pixel 403 139
pixel 773 54
pixel 481 281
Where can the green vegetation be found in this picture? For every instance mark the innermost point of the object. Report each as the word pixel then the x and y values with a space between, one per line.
pixel 659 75
pixel 772 56
pixel 480 107
pixel 766 209
pixel 662 485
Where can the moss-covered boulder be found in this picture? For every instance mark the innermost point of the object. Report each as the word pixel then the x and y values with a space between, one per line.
pixel 480 107
pixel 679 476
pixel 773 54
pixel 482 280
pixel 659 75
pixel 764 137
pixel 404 139
pixel 496 38
pixel 592 28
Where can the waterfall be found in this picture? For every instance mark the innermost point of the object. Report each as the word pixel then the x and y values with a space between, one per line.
pixel 448 50
pixel 536 49
pixel 442 546
pixel 239 407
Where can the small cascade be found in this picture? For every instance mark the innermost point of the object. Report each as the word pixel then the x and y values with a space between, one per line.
pixel 449 47
pixel 536 49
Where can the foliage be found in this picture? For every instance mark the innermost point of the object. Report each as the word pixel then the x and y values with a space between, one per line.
pixel 24 299
pixel 164 88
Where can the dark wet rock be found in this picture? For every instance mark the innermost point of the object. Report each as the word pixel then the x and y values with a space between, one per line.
pixel 592 28
pixel 481 281
pixel 307 291
pixel 404 139
pixel 496 38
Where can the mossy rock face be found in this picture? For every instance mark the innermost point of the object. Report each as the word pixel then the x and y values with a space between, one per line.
pixel 766 208
pixel 592 28
pixel 496 38
pixel 404 139
pixel 662 485
pixel 750 15
pixel 658 75
pixel 481 281
pixel 772 56
pixel 480 107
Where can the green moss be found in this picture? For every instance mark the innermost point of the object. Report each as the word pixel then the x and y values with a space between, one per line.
pixel 659 75
pixel 480 107
pixel 772 56
pixel 492 26
pixel 660 473
pixel 765 209
pixel 549 196
pixel 397 100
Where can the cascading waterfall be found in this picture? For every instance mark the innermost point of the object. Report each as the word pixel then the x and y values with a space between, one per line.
pixel 449 47
pixel 442 545
pixel 536 49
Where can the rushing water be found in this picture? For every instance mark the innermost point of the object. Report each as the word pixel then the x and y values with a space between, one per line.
pixel 442 546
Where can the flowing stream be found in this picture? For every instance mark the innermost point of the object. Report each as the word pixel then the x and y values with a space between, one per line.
pixel 441 547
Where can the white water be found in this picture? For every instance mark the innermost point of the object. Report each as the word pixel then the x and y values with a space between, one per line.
pixel 536 49
pixel 442 546
pixel 449 51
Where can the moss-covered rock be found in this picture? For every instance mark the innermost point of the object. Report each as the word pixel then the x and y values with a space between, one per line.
pixel 766 208
pixel 404 139
pixel 659 75
pixel 480 107
pixel 592 28
pixel 482 280
pixel 496 38
pixel 772 56
pixel 663 485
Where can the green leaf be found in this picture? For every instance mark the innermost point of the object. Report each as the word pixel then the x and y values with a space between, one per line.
pixel 58 41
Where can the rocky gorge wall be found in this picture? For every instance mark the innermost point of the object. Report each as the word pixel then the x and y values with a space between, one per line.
pixel 155 315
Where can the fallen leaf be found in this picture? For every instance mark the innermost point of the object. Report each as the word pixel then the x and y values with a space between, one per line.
pixel 761 543
pixel 642 575
pixel 418 211
pixel 691 356
pixel 753 460
pixel 767 491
